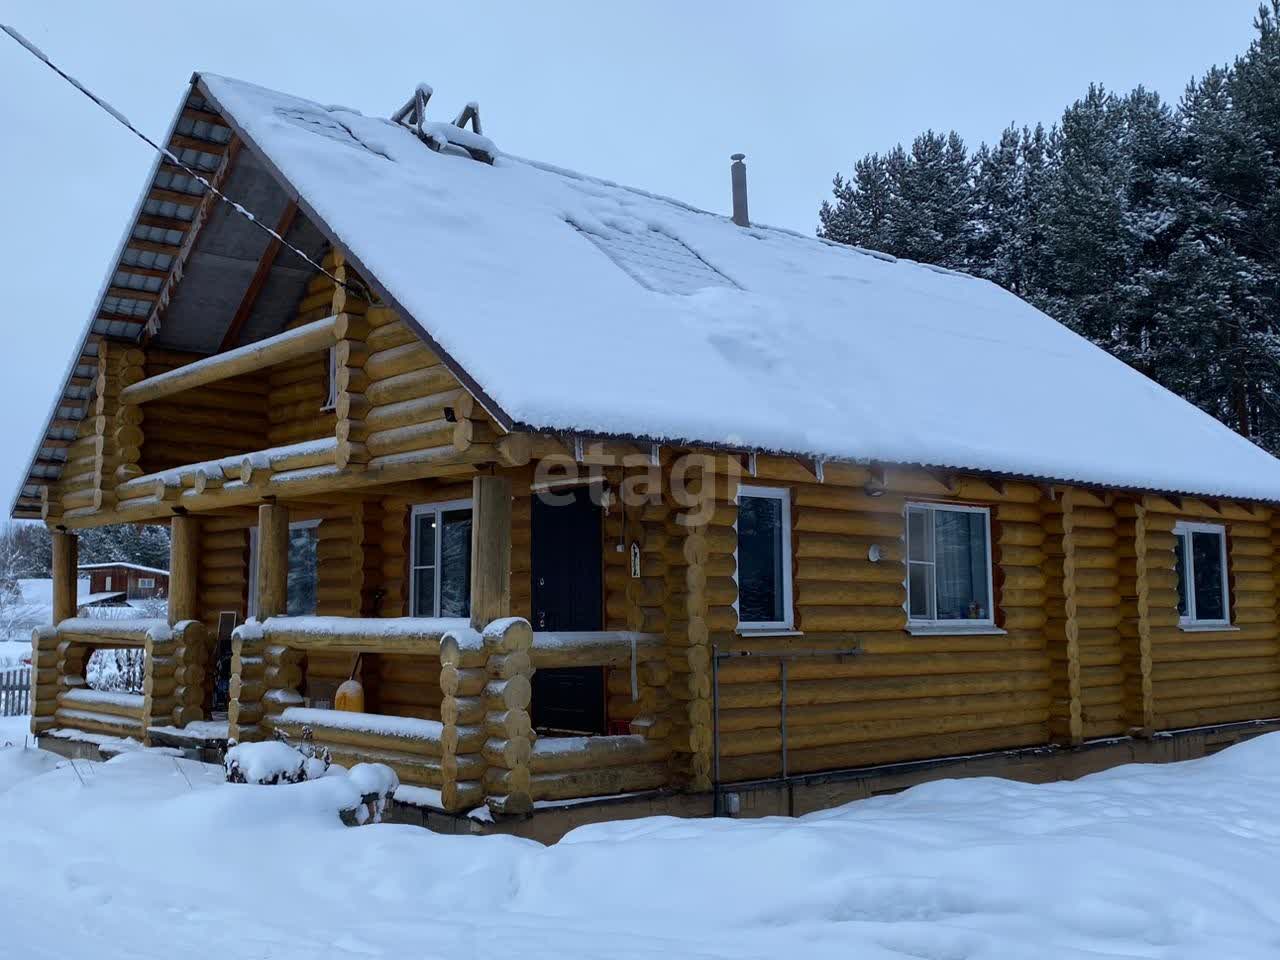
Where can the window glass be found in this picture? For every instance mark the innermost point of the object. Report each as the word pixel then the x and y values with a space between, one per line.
pixel 441 566
pixel 1180 564
pixel 455 563
pixel 304 571
pixel 917 534
pixel 919 590
pixel 760 556
pixel 948 564
pixel 1200 561
pixel 960 545
pixel 424 564
pixel 1206 564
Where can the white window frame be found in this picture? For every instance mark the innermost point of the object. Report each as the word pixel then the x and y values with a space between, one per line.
pixel 146 583
pixel 783 495
pixel 933 624
pixel 331 401
pixel 421 509
pixel 251 605
pixel 110 581
pixel 1186 528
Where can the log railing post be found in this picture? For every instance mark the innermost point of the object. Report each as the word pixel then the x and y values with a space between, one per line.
pixel 184 546
pixel 64 568
pixel 490 550
pixel 44 678
pixel 508 732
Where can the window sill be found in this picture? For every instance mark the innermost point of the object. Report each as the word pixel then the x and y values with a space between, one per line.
pixel 959 630
pixel 1208 628
pixel 768 632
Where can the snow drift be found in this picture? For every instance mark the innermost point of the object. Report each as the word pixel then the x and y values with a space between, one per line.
pixel 148 856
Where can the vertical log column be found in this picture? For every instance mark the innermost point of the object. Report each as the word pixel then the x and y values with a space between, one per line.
pixel 1135 627
pixel 190 656
pixel 1066 720
pixel 504 684
pixel 248 649
pixel 350 380
pixel 490 550
pixel 273 601
pixel 184 554
pixel 65 565
pixel 46 654
pixel 689 485
pixel 119 367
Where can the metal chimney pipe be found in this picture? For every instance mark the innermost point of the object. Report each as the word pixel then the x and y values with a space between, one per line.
pixel 738 176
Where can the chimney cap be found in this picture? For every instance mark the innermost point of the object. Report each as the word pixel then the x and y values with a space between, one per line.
pixel 738 157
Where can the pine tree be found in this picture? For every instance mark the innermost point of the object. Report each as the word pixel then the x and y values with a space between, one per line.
pixel 997 236
pixel 862 213
pixel 935 187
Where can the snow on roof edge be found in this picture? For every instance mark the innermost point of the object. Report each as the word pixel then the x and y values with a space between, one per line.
pixel 122 563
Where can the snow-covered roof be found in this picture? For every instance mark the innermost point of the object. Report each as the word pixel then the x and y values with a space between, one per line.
pixel 574 304
pixel 125 566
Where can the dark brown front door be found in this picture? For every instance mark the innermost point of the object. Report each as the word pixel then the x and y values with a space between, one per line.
pixel 567 591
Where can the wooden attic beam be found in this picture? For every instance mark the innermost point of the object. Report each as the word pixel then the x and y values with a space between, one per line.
pixel 260 275
pixel 310 338
pixel 181 141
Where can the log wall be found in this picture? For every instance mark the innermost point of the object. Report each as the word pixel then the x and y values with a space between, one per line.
pixel 222 419
pixel 1218 676
pixel 297 390
pixel 902 696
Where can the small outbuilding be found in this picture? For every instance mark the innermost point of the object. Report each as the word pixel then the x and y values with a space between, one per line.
pixel 132 580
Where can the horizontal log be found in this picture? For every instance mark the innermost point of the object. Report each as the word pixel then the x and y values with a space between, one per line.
pixel 291 344
pixel 896 750
pixel 605 781
pixel 592 648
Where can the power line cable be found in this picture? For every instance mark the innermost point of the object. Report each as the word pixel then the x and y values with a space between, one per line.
pixel 167 153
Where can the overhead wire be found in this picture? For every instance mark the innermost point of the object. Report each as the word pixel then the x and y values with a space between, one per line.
pixel 165 152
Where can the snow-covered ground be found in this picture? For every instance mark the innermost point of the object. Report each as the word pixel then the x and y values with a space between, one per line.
pixel 148 856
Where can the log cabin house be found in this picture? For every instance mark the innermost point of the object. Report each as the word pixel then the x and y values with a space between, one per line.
pixel 603 496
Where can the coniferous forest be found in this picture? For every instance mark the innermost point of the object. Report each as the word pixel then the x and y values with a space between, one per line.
pixel 1151 228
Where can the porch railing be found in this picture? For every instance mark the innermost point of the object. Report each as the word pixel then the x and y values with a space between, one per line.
pixel 483 748
pixel 173 678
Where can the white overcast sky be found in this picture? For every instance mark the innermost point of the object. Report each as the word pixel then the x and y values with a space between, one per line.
pixel 654 94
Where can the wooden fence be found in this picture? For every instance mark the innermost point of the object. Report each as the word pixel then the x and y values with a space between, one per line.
pixel 15 691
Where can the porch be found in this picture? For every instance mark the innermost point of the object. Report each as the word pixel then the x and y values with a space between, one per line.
pixel 449 699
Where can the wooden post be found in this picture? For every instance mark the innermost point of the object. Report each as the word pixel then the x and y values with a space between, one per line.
pixel 490 550
pixel 273 560
pixel 1074 706
pixel 65 563
pixel 184 543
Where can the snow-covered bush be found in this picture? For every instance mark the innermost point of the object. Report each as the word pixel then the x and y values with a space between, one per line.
pixel 377 783
pixel 274 761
